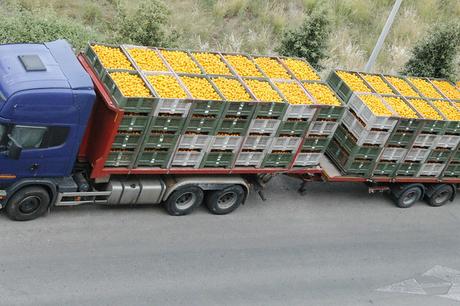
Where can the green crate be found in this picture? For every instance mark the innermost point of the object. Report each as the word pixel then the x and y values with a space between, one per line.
pixel 133 122
pixel 434 127
pixel 207 108
pixel 452 128
pixel 385 169
pixel 273 110
pixel 348 142
pixel 315 143
pixel 293 127
pixel 160 141
pixel 126 140
pixel 167 123
pixel 339 86
pixel 401 139
pixel 240 109
pixel 235 125
pixel 408 169
pixel 277 160
pixel 408 125
pixel 456 156
pixel 330 112
pixel 130 104
pixel 94 61
pixel 218 160
pixel 452 170
pixel 347 164
pixel 120 158
pixel 201 125
pixel 154 158
pixel 439 155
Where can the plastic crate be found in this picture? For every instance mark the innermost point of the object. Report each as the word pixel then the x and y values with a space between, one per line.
pixel 362 134
pixel 257 142
pixel 348 165
pixel 234 125
pixel 273 110
pixel 307 159
pixel 207 108
pixel 369 120
pixel 456 156
pixel 167 123
pixel 439 155
pixel 299 111
pixel 172 107
pixel 193 142
pixel 94 60
pixel 434 127
pixel 393 154
pixel 401 139
pixel 433 169
pixel 134 122
pixel 330 112
pixel 447 141
pixel 218 160
pixel 385 169
pixel 293 127
pixel 120 158
pixel 277 160
pixel 249 159
pixel 201 125
pixel 339 86
pixel 452 170
pixel 425 140
pixel 452 128
pixel 409 125
pixel 317 143
pixel 160 141
pixel 264 126
pixel 239 109
pixel 126 140
pixel 154 158
pixel 408 169
pixel 417 155
pixel 187 158
pixel 129 104
pixel 228 143
pixel 322 128
pixel 348 142
pixel 285 144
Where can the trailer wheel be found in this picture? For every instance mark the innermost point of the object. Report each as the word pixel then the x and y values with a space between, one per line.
pixel 184 200
pixel 407 197
pixel 28 203
pixel 221 202
pixel 440 195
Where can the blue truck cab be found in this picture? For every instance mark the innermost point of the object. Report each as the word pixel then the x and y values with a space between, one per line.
pixel 46 98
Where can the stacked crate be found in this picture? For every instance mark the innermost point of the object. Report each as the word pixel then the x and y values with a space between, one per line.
pixel 215 110
pixel 417 133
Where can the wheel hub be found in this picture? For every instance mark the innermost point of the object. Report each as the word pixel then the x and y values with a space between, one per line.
pixel 227 200
pixel 29 204
pixel 186 200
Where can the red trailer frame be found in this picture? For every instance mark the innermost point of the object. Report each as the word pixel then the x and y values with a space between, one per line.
pixel 105 120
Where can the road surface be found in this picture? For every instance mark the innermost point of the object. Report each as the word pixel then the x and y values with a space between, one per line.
pixel 336 245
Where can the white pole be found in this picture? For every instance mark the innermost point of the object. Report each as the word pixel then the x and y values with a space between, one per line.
pixel 383 35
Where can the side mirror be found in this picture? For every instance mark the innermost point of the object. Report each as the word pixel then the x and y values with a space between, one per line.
pixel 14 148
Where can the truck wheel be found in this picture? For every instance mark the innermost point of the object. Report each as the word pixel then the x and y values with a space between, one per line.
pixel 184 200
pixel 28 203
pixel 408 197
pixel 440 196
pixel 221 202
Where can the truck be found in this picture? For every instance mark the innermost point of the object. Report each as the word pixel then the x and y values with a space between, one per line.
pixel 58 125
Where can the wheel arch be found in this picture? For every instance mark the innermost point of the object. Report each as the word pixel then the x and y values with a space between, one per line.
pixel 48 184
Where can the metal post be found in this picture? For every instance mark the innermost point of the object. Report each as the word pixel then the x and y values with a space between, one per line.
pixel 383 35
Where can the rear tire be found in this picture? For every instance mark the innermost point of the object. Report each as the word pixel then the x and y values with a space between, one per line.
pixel 28 203
pixel 184 200
pixel 440 196
pixel 408 197
pixel 221 202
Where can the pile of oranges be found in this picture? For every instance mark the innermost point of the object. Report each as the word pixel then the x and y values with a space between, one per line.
pixel 112 57
pixel 130 84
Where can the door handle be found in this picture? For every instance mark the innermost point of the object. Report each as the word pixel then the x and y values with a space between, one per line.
pixel 34 167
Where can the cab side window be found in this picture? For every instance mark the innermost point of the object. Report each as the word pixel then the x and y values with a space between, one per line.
pixel 29 137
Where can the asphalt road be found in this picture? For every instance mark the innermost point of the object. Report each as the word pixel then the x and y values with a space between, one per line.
pixel 336 245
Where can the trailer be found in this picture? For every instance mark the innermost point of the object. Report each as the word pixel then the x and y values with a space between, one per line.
pixel 59 129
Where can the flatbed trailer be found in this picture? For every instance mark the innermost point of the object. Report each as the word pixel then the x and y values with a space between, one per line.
pixel 58 122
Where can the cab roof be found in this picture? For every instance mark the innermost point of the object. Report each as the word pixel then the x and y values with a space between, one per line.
pixel 40 66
